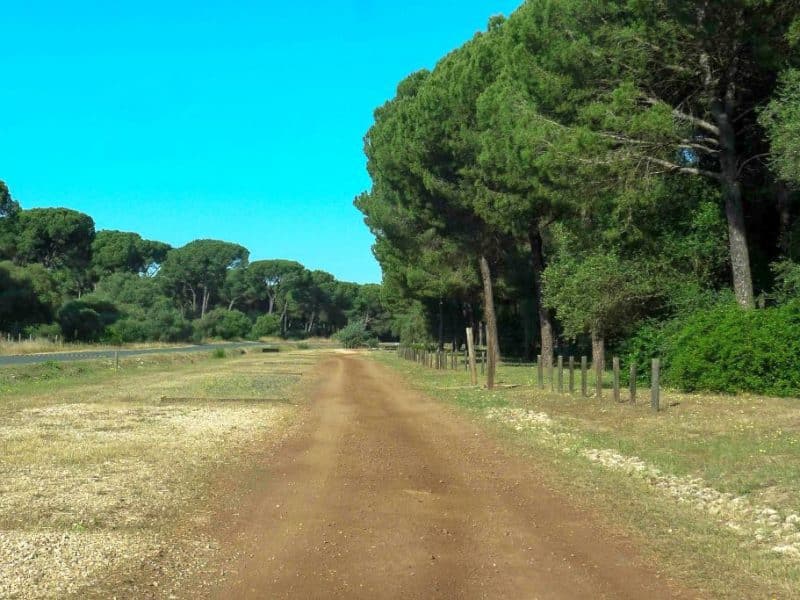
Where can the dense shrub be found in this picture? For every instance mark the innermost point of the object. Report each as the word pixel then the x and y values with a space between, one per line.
pixel 728 349
pixel 355 335
pixel 225 324
pixel 47 331
pixel 266 325
pixel 85 320
pixel 127 330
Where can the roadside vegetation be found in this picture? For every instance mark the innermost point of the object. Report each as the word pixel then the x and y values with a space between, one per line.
pixel 711 485
pixel 591 176
pixel 61 281
pixel 105 474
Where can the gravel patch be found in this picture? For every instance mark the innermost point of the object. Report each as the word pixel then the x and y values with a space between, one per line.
pixel 86 489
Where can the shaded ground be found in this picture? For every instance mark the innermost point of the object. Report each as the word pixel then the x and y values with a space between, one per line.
pixel 387 494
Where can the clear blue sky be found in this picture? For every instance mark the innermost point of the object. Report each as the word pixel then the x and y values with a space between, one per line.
pixel 240 121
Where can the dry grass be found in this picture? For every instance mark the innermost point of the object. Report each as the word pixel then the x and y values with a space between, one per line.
pixel 712 484
pixel 46 346
pixel 95 472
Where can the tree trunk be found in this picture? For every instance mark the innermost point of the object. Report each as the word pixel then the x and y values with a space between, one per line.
pixel 441 324
pixel 493 345
pixel 545 318
pixel 283 319
pixel 598 354
pixel 722 109
pixel 204 307
pixel 194 302
pixel 271 304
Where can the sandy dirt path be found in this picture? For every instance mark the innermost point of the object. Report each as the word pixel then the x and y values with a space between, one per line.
pixel 388 494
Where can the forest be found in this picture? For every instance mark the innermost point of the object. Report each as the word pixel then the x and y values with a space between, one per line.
pixel 62 280
pixel 587 177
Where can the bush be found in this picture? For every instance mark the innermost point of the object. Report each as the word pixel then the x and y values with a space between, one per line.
pixel 218 353
pixel 225 324
pixel 728 349
pixel 85 320
pixel 126 331
pixel 48 331
pixel 355 335
pixel 266 325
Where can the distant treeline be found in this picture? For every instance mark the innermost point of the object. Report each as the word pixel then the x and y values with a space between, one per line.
pixel 591 173
pixel 61 279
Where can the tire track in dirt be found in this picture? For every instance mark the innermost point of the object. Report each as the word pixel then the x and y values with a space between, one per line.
pixel 388 494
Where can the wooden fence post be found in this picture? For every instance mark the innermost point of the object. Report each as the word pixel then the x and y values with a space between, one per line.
pixel 552 377
pixel 598 380
pixel 560 374
pixel 584 382
pixel 633 383
pixel 473 368
pixel 483 362
pixel 655 392
pixel 615 362
pixel 539 372
pixel 571 374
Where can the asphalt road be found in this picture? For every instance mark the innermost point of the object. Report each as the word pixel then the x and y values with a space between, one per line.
pixel 31 359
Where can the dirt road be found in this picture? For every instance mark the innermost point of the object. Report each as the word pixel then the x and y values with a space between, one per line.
pixel 388 494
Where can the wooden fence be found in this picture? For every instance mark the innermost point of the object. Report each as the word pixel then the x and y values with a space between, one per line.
pixel 554 378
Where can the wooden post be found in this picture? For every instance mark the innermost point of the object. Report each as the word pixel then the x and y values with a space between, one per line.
pixel 473 368
pixel 560 374
pixel 655 392
pixel 116 360
pixel 571 374
pixel 466 360
pixel 552 377
pixel 615 362
pixel 584 382
pixel 633 383
pixel 539 372
pixel 483 362
pixel 598 380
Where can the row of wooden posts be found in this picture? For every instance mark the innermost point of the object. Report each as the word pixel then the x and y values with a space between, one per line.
pixel 473 358
pixel 556 377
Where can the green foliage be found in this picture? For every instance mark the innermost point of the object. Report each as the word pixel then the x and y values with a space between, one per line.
pixel 355 335
pixel 47 331
pixel 781 119
pixel 225 324
pixel 218 353
pixel 54 237
pixel 727 349
pixel 85 320
pixel 787 281
pixel 266 326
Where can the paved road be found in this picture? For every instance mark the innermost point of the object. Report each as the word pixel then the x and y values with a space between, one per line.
pixel 388 494
pixel 30 359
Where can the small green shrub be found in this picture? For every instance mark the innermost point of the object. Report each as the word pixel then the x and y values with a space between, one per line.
pixel 355 335
pixel 303 345
pixel 49 331
pixel 218 353
pixel 225 324
pixel 728 349
pixel 266 325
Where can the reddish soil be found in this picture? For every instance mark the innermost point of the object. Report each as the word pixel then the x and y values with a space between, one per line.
pixel 384 493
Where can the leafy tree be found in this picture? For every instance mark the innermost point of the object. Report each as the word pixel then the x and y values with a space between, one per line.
pixel 115 251
pixel 9 213
pixel 54 237
pixel 197 271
